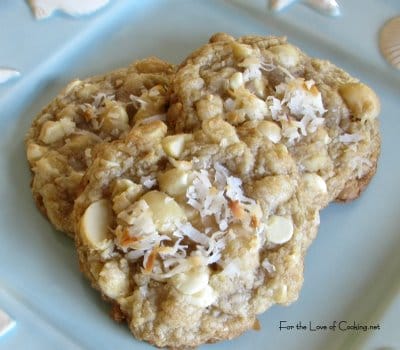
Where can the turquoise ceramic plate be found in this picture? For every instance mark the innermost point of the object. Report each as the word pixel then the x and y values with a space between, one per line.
pixel 352 267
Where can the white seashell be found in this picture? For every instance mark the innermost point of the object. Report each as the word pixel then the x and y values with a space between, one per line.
pixel 389 41
pixel 7 74
pixel 45 8
pixel 278 5
pixel 6 323
pixel 326 7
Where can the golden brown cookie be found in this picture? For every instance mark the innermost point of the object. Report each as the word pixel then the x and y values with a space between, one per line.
pixel 265 86
pixel 86 113
pixel 190 236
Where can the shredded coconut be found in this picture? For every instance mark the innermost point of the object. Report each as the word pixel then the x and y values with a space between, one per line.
pixel 148 181
pixel 359 164
pixel 137 101
pixel 302 100
pixel 275 107
pixel 268 266
pixel 290 130
pixel 212 194
pixel 147 120
pixel 253 67
pixel 214 199
pixel 196 236
pixel 209 200
pixel 349 138
pixel 216 244
pixel 141 234
pixel 100 97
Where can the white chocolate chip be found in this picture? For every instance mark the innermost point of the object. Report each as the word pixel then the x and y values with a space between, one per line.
pixel 80 142
pixel 34 152
pixel 46 167
pixel 181 164
pixel 314 182
pixel 125 192
pixel 166 211
pixel 270 130
pixel 286 55
pixel 241 51
pixel 53 131
pixel 259 87
pixel 122 185
pixel 279 229
pixel 236 80
pixel 174 182
pixel 194 284
pixel 139 210
pixel 209 107
pixel 204 297
pixel 173 145
pixel 113 280
pixel 280 294
pixel 115 117
pixel 191 282
pixel 361 100
pixel 316 162
pixel 95 223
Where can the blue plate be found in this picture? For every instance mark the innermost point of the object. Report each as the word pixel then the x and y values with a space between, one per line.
pixel 351 271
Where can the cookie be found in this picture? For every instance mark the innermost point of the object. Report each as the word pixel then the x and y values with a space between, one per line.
pixel 192 235
pixel 265 86
pixel 87 113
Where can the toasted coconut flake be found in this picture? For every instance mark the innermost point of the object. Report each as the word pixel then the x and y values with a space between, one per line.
pixel 254 222
pixel 127 239
pixel 149 260
pixel 237 210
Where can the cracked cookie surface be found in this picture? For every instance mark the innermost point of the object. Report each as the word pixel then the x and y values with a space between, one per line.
pixel 191 235
pixel 266 86
pixel 87 113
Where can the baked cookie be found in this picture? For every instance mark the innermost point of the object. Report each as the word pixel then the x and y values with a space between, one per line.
pixel 86 113
pixel 191 235
pixel 266 86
